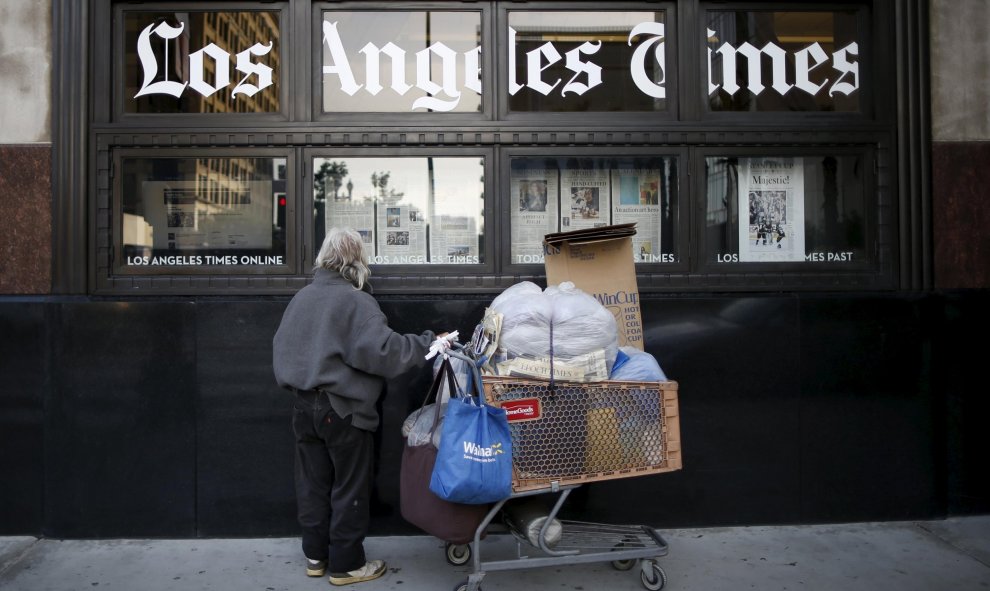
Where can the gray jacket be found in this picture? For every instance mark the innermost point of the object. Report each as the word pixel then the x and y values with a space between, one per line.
pixel 336 338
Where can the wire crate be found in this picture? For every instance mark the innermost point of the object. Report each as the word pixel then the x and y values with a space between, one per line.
pixel 571 433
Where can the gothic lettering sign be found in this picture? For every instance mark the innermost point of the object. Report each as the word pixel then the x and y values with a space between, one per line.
pixel 441 76
pixel 843 62
pixel 256 76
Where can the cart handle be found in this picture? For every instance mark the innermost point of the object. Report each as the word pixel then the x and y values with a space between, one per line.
pixel 459 351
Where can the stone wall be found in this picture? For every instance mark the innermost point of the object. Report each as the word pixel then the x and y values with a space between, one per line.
pixel 25 147
pixel 960 79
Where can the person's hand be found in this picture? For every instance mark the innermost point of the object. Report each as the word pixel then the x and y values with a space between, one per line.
pixel 442 344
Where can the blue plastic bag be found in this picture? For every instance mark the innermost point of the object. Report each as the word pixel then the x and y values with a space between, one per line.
pixel 474 462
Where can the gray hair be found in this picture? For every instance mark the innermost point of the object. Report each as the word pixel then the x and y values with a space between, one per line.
pixel 343 251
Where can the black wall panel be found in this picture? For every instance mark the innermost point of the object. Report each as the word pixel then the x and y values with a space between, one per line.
pixel 959 354
pixel 735 361
pixel 243 432
pixel 120 431
pixel 162 418
pixel 870 429
pixel 23 382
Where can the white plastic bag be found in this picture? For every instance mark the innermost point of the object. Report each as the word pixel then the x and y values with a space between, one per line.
pixel 525 320
pixel 462 376
pixel 580 324
pixel 417 426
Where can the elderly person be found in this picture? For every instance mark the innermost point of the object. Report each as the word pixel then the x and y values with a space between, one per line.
pixel 334 350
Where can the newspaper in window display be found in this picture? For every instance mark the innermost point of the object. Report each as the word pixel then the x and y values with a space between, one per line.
pixel 454 240
pixel 636 198
pixel 534 212
pixel 357 215
pixel 194 217
pixel 401 235
pixel 585 197
pixel 771 209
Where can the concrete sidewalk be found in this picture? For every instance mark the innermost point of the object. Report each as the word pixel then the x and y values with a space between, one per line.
pixel 952 554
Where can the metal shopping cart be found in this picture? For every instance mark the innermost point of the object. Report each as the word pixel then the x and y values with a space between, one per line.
pixel 564 435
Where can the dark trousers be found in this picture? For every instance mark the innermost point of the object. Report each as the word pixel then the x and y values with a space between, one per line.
pixel 333 474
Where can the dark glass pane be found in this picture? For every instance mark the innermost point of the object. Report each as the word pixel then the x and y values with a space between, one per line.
pixel 401 62
pixel 560 194
pixel 783 61
pixel 587 61
pixel 201 62
pixel 216 212
pixel 786 209
pixel 410 211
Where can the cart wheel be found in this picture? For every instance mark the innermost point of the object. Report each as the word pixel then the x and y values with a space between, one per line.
pixel 458 554
pixel 652 576
pixel 463 586
pixel 623 564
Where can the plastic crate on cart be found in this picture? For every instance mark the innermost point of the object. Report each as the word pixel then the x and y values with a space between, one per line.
pixel 571 433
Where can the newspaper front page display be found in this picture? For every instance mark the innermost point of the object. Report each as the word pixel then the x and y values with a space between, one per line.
pixel 585 199
pixel 197 218
pixel 771 204
pixel 358 215
pixel 534 212
pixel 401 235
pixel 454 240
pixel 636 198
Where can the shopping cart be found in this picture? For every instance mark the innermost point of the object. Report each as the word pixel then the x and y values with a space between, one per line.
pixel 564 435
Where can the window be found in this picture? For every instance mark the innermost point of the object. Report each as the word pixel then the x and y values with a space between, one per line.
pixel 783 61
pixel 409 210
pixel 182 212
pixel 789 209
pixel 564 61
pixel 401 61
pixel 192 61
pixel 549 194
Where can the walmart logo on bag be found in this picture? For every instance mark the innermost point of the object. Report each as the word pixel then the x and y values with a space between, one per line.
pixel 473 451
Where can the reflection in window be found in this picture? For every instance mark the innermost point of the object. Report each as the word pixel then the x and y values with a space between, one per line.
pixel 786 209
pixel 191 212
pixel 783 61
pixel 561 194
pixel 422 210
pixel 401 62
pixel 587 61
pixel 201 62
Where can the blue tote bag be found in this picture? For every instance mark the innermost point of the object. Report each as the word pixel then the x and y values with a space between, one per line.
pixel 474 462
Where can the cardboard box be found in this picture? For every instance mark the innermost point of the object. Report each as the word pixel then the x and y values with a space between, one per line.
pixel 599 261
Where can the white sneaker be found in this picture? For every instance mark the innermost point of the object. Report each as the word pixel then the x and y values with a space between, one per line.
pixel 371 570
pixel 315 568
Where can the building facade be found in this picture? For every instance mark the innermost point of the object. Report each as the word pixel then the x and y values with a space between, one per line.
pixel 805 181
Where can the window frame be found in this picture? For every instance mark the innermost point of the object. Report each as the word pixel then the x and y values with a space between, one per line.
pixel 868 109
pixel 689 132
pixel 310 244
pixel 871 208
pixel 682 217
pixel 670 116
pixel 115 98
pixel 117 273
pixel 406 118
